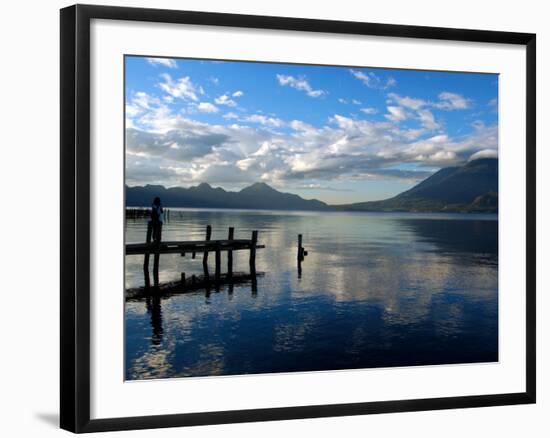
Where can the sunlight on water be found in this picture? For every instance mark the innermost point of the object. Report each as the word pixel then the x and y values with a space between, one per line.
pixel 376 290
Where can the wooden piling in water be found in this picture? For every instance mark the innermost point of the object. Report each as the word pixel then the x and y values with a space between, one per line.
pixel 301 255
pixel 230 253
pixel 158 240
pixel 147 254
pixel 218 263
pixel 252 259
pixel 300 249
pixel 205 255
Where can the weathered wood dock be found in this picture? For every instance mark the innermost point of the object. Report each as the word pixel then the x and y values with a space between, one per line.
pixel 154 245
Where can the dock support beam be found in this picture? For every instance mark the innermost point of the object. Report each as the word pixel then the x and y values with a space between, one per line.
pixel 158 239
pixel 218 264
pixel 252 260
pixel 146 257
pixel 301 255
pixel 230 253
pixel 205 256
pixel 300 249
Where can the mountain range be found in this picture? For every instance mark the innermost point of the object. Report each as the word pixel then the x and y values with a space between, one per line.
pixel 472 187
pixel 256 196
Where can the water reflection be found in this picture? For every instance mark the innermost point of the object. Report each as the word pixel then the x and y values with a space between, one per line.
pixel 154 309
pixel 375 290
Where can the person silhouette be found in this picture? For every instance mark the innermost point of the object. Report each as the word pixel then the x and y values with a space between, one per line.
pixel 157 218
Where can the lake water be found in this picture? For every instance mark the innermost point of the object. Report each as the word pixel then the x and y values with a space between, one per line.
pixel 376 290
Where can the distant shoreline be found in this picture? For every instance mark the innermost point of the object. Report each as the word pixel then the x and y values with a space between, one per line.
pixel 418 213
pixel 471 188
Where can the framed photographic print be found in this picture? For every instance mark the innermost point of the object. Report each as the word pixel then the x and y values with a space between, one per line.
pixel 271 218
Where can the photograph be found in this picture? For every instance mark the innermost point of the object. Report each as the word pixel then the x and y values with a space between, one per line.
pixel 284 218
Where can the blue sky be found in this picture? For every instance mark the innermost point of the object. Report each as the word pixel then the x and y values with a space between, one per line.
pixel 338 134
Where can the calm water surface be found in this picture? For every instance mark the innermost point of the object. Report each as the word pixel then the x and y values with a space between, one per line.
pixel 376 290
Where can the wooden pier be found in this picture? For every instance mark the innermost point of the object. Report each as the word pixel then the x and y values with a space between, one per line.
pixel 154 245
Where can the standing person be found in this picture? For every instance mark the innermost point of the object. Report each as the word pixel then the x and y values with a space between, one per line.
pixel 157 218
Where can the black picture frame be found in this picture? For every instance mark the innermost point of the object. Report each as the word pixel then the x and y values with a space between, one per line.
pixel 75 217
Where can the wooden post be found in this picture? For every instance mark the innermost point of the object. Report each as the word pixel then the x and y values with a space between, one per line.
pixel 183 279
pixel 300 255
pixel 252 260
pixel 158 240
pixel 300 249
pixel 218 263
pixel 146 257
pixel 230 253
pixel 205 256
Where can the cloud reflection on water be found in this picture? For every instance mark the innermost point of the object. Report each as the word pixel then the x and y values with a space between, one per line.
pixel 376 290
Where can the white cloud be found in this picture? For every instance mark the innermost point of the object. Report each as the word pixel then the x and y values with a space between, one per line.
pixel 261 119
pixel 372 80
pixel 299 125
pixel 356 102
pixel 264 120
pixel 181 88
pixel 369 110
pixel 220 173
pixel 230 115
pixel 140 104
pixel 413 134
pixel 144 100
pixel 396 114
pixel 238 93
pixel 207 107
pixel 166 62
pixel 176 145
pixel 427 119
pixel 300 84
pixel 485 153
pixel 341 100
pixel 407 102
pixel 224 99
pixel 452 101
pixel 442 156
pixel 317 186
pixel 421 108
